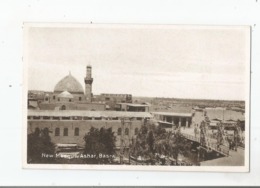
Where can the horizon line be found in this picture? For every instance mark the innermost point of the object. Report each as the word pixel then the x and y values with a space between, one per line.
pixel 178 98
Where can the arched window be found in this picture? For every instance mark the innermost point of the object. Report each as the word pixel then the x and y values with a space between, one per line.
pixel 57 132
pixel 63 107
pixel 126 131
pixel 69 100
pixel 119 130
pixel 76 132
pixel 65 132
pixel 53 97
pixel 79 98
pixel 136 131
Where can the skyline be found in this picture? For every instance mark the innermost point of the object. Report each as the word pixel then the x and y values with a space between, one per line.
pixel 154 61
pixel 137 95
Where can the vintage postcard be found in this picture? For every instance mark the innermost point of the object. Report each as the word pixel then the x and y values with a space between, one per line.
pixel 136 97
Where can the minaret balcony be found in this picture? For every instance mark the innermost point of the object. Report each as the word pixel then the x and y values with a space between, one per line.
pixel 88 80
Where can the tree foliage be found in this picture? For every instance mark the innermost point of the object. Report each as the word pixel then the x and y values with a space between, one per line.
pixel 39 143
pixel 178 145
pixel 145 141
pixel 152 140
pixel 99 142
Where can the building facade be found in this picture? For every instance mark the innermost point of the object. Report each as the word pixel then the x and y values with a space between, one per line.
pixel 70 127
pixel 172 120
pixel 111 99
pixel 132 107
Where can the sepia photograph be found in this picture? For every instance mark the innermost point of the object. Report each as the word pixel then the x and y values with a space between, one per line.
pixel 136 97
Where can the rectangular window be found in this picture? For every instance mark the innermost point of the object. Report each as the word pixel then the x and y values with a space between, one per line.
pixel 87 118
pixel 65 132
pixel 57 132
pixel 55 118
pixel 77 118
pixel 76 132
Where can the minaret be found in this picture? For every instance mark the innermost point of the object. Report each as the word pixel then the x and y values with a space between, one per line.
pixel 88 84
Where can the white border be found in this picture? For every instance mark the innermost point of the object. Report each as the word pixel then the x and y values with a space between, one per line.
pixel 203 12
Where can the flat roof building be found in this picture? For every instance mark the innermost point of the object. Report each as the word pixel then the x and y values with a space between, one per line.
pixel 70 126
pixel 173 119
pixel 132 107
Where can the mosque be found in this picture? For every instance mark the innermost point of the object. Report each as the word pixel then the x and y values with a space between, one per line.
pixel 68 94
pixel 68 89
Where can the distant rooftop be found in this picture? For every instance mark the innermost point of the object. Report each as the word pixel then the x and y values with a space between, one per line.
pixel 224 114
pixel 134 104
pixel 69 113
pixel 173 114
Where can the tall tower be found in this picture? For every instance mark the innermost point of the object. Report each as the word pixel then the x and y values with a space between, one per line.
pixel 88 84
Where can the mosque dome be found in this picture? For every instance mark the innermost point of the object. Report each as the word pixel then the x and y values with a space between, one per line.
pixel 69 84
pixel 65 94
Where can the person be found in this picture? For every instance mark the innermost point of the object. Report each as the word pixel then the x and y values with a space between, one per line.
pixel 195 132
pixel 230 144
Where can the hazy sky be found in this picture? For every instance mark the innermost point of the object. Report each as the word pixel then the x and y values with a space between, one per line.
pixel 156 61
